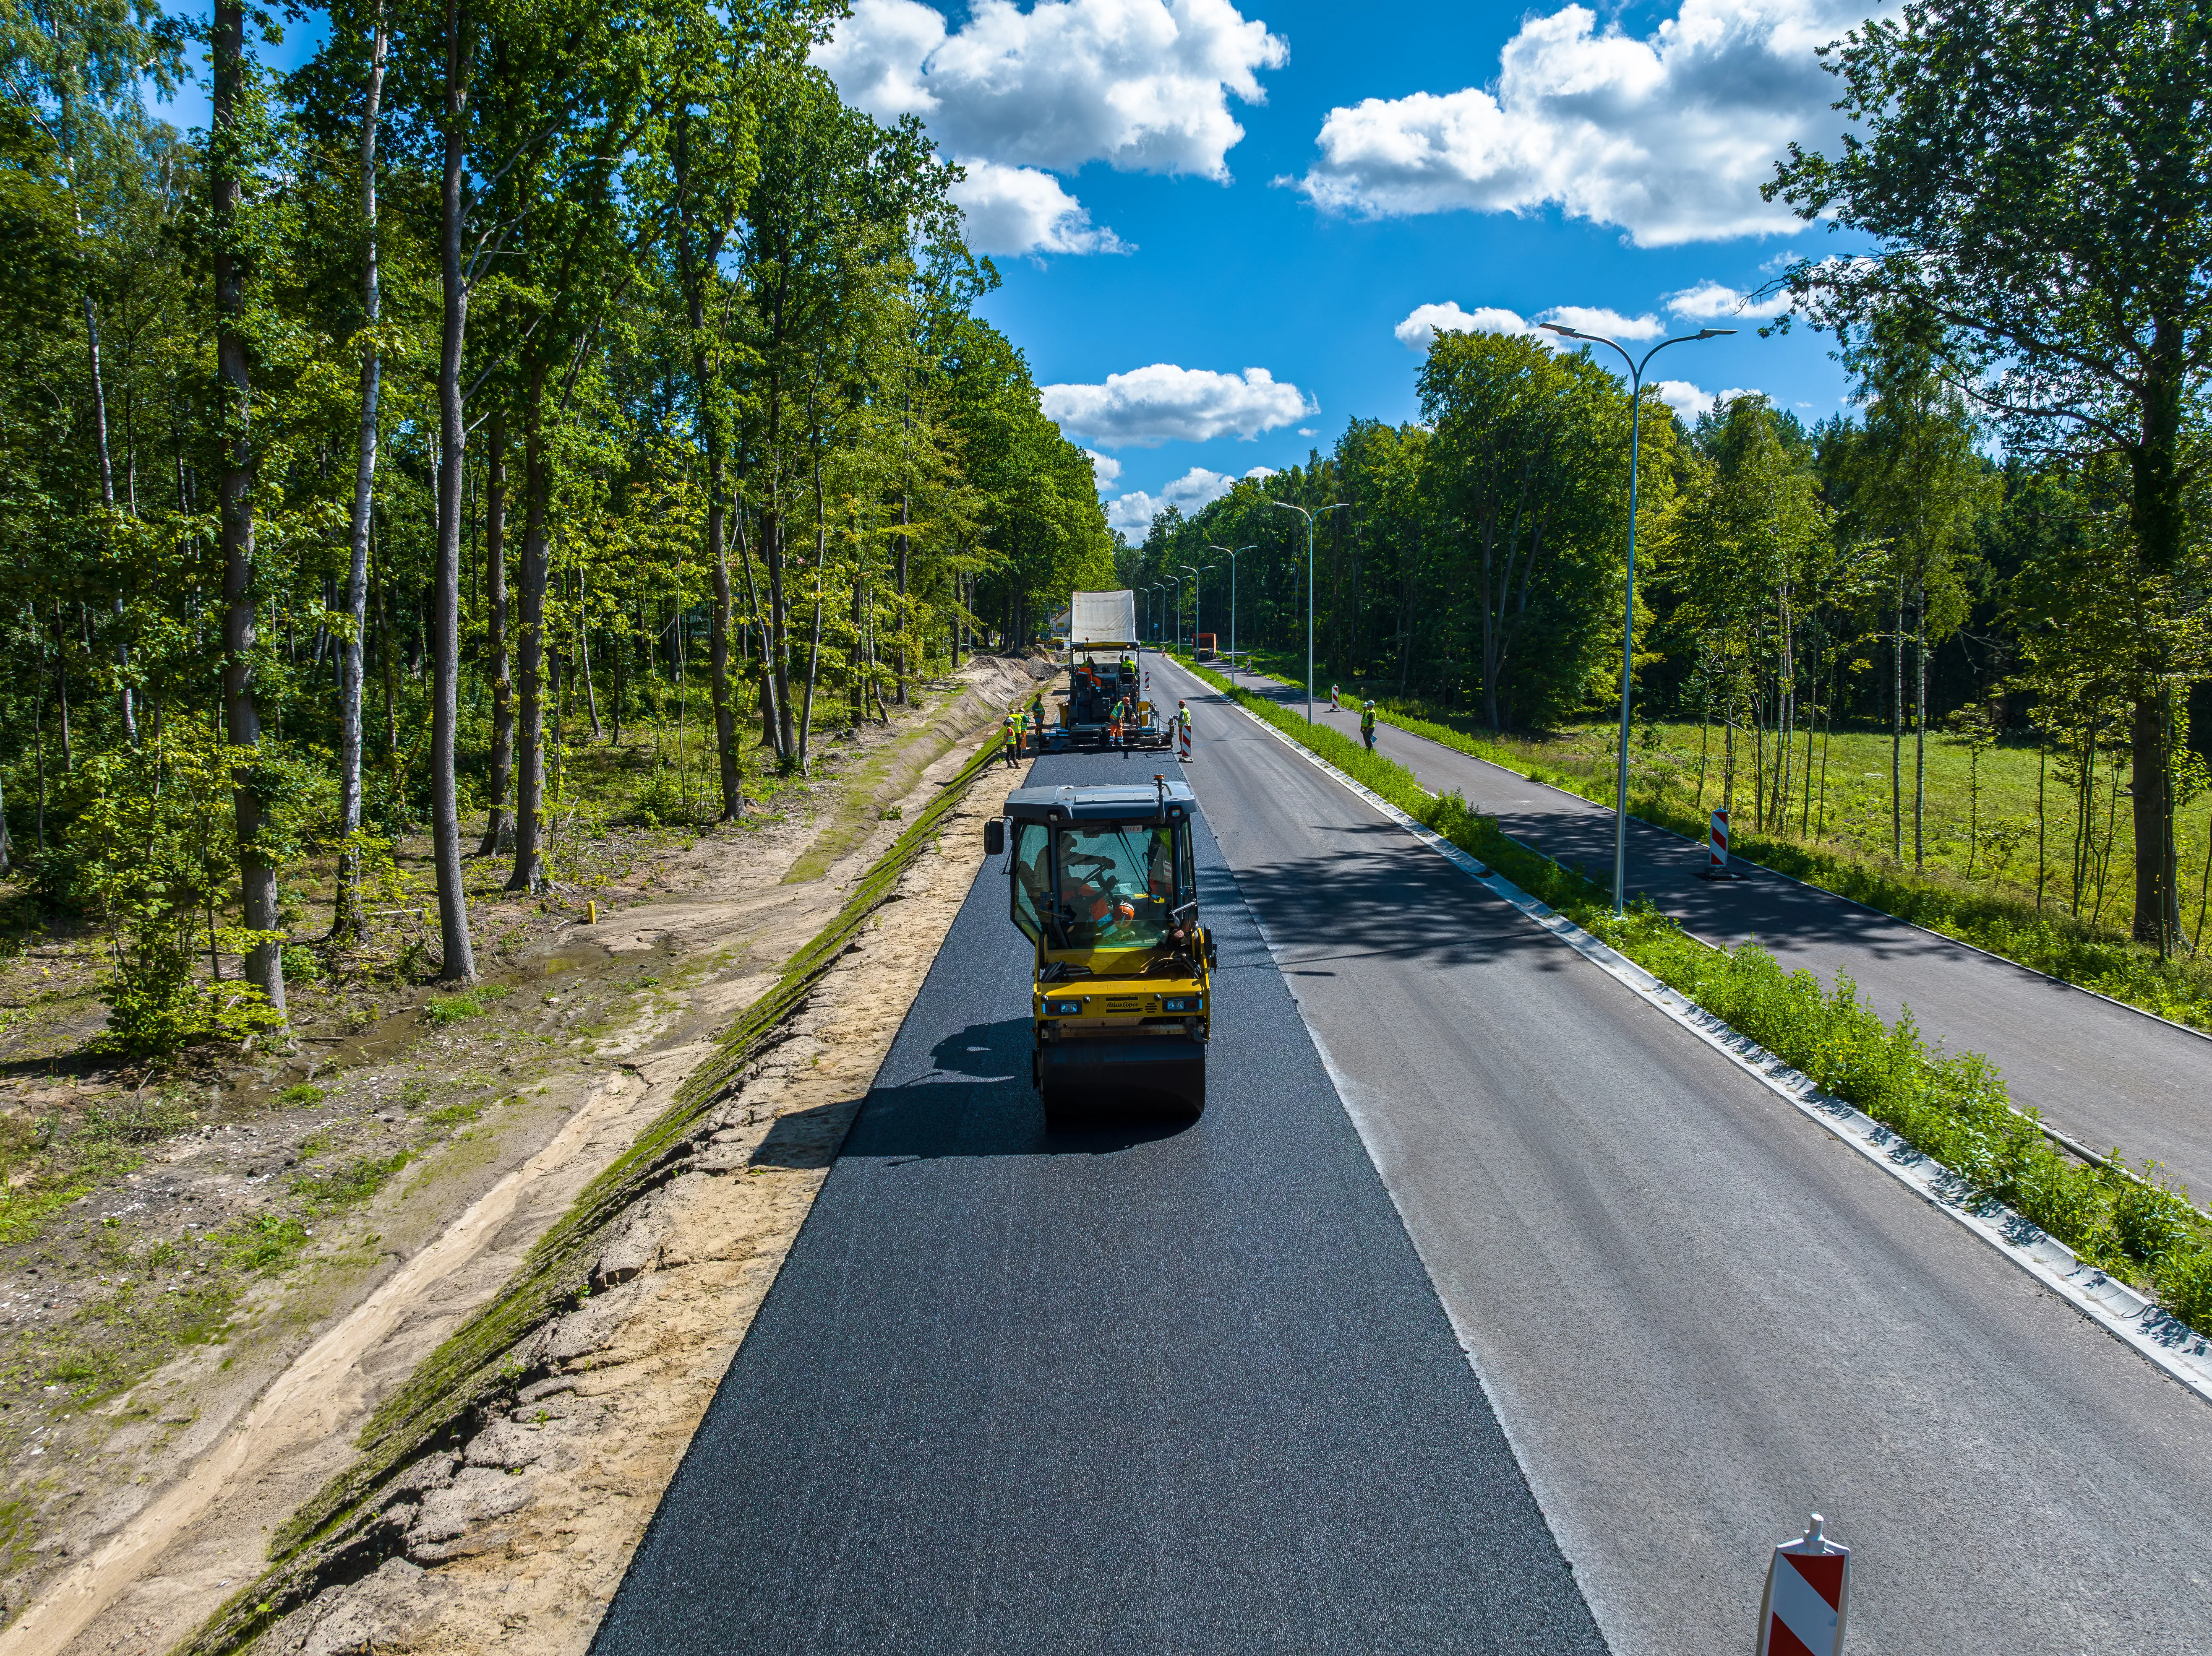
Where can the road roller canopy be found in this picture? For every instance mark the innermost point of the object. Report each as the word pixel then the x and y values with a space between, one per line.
pixel 1102 868
pixel 1161 799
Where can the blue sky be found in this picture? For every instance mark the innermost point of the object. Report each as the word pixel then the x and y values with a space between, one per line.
pixel 1510 160
pixel 1224 226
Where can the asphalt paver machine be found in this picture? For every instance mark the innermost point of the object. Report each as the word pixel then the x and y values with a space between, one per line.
pixel 1106 664
pixel 1103 883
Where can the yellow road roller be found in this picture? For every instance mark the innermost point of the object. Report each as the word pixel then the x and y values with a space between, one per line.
pixel 1103 883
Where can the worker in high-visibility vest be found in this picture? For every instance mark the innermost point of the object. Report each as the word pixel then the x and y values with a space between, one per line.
pixel 1367 725
pixel 1036 725
pixel 1115 715
pixel 1012 748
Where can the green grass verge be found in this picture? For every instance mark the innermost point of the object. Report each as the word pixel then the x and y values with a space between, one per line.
pixel 2070 949
pixel 1953 1108
pixel 484 1361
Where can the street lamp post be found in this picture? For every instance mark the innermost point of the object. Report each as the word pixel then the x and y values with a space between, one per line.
pixel 1628 604
pixel 1151 611
pixel 1339 506
pixel 1231 552
pixel 1174 603
pixel 1197 595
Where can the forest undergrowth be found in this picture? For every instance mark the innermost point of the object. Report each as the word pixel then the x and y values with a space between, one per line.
pixel 1953 1107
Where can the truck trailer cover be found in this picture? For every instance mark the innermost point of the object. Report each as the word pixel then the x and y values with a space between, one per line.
pixel 1103 618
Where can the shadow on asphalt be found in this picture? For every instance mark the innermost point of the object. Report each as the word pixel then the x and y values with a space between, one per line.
pixel 975 1101
pixel 1354 906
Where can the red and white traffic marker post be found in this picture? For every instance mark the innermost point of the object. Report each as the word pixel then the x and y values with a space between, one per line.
pixel 1183 737
pixel 1716 848
pixel 1809 1593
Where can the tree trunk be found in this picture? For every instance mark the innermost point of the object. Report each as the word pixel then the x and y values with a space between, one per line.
pixel 345 921
pixel 905 545
pixel 1897 727
pixel 264 958
pixel 2158 904
pixel 529 741
pixel 1920 730
pixel 499 823
pixel 459 956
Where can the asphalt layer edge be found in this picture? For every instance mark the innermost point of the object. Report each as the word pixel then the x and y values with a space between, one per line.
pixel 2137 1321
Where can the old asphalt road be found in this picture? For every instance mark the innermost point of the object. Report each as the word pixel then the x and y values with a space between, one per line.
pixel 1170 1389
pixel 1697 1314
pixel 2101 1072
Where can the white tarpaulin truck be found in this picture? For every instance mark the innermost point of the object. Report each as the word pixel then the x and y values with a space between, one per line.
pixel 1106 665
pixel 1102 621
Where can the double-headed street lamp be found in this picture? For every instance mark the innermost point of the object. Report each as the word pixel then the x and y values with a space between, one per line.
pixel 1197 593
pixel 1339 506
pixel 1231 552
pixel 1628 609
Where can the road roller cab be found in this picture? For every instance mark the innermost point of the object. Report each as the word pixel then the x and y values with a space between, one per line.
pixel 1104 884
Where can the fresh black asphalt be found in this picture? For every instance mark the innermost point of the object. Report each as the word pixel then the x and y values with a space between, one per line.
pixel 1164 1388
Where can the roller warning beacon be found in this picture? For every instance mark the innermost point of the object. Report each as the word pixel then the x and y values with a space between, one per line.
pixel 1103 883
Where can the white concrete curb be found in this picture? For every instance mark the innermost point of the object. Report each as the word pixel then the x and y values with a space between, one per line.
pixel 2128 1316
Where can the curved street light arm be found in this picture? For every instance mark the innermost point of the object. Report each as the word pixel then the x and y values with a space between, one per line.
pixel 1337 506
pixel 1628 601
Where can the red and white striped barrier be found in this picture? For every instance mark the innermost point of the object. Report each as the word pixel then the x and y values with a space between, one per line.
pixel 1809 1590
pixel 1182 738
pixel 1716 852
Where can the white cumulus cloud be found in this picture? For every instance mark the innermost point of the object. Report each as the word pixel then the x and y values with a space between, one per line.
pixel 1133 513
pixel 1714 301
pixel 1142 84
pixel 1425 322
pixel 1688 401
pixel 1105 467
pixel 1162 403
pixel 1596 319
pixel 1668 136
pixel 1018 209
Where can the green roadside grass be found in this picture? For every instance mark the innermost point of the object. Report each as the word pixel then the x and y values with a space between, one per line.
pixel 1988 914
pixel 1953 1107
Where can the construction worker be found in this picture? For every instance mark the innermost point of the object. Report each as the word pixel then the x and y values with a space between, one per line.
pixel 1013 746
pixel 1182 726
pixel 1036 725
pixel 1367 725
pixel 1115 715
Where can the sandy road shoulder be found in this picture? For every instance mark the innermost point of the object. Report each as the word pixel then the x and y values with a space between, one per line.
pixel 517 1542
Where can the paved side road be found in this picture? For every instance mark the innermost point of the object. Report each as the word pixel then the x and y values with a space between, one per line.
pixel 2103 1073
pixel 1174 1389
pixel 1699 1314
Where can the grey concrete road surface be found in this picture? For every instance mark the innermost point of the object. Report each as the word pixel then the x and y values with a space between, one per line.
pixel 2103 1073
pixel 1697 1314
pixel 1167 1388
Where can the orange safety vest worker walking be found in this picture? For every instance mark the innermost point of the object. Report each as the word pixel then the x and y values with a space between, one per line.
pixel 1367 725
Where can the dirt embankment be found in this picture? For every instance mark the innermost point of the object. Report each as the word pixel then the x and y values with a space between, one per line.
pixel 172 1512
